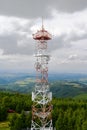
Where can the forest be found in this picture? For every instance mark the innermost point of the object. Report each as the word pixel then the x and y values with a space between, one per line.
pixel 67 114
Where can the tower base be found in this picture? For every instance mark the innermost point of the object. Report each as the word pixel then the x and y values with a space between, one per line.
pixel 49 128
pixel 35 126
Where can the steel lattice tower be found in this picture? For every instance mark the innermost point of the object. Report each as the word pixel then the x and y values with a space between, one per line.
pixel 41 96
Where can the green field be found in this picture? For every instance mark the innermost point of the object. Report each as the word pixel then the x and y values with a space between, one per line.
pixel 4 128
pixel 4 125
pixel 81 96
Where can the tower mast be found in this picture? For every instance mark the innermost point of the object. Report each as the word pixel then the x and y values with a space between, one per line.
pixel 41 96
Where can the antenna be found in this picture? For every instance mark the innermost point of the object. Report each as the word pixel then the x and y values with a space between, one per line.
pixel 42 24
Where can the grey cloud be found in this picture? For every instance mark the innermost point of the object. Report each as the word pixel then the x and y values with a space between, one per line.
pixel 10 46
pixel 16 44
pixel 57 43
pixel 75 36
pixel 32 8
pixel 24 8
pixel 69 5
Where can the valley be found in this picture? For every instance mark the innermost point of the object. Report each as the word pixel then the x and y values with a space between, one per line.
pixel 61 85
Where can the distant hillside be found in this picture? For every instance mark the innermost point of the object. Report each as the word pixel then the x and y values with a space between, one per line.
pixel 81 96
pixel 67 88
pixel 66 76
pixel 62 85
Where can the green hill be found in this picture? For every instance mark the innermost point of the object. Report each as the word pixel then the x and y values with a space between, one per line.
pixel 24 83
pixel 81 96
pixel 67 88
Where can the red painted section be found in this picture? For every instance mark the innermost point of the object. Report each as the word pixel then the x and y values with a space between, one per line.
pixel 42 35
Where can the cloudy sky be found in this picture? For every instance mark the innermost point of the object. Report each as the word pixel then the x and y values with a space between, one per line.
pixel 66 20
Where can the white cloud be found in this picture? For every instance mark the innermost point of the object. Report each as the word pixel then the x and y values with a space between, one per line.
pixel 73 26
pixel 11 25
pixel 69 24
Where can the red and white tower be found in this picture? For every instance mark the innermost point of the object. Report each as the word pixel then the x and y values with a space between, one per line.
pixel 41 96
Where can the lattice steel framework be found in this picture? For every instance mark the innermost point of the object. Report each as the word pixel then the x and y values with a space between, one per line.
pixel 41 97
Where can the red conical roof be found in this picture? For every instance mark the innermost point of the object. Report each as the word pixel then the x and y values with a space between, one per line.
pixel 42 35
